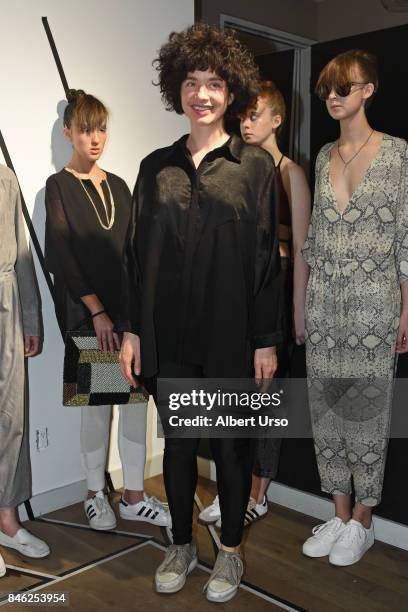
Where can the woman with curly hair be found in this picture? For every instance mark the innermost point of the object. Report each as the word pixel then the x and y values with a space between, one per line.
pixel 200 271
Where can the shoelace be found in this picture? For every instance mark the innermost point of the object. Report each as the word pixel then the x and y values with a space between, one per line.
pixel 227 568
pixel 100 504
pixel 157 505
pixel 328 528
pixel 176 559
pixel 353 532
pixel 251 503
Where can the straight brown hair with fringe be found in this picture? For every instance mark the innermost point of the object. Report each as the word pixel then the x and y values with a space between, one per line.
pixel 88 112
pixel 341 71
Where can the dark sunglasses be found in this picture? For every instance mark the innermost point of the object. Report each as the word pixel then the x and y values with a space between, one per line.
pixel 342 90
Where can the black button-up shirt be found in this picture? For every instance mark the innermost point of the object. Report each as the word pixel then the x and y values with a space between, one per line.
pixel 200 271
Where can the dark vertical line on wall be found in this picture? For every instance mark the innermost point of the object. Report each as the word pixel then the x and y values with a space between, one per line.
pixel 55 53
pixel 29 510
pixel 198 12
pixel 27 218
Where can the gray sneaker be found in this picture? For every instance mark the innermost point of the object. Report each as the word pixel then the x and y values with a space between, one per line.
pixel 225 578
pixel 179 561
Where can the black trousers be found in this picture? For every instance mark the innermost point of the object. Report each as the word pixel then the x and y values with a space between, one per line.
pixel 267 450
pixel 233 459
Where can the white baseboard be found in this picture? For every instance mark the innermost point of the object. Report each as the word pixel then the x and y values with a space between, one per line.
pixel 386 531
pixel 55 499
pixel 154 465
pixel 206 468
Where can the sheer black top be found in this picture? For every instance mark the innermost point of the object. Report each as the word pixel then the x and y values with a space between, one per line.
pixel 200 273
pixel 83 257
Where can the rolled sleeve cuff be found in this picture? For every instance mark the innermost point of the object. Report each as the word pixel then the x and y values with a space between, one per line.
pixel 80 292
pixel 266 340
pixel 125 325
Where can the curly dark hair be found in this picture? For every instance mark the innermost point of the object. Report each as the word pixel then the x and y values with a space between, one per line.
pixel 205 47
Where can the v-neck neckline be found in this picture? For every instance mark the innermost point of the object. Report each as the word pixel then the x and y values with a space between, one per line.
pixel 106 202
pixel 359 184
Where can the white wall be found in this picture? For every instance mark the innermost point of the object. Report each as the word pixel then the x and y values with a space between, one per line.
pixel 106 48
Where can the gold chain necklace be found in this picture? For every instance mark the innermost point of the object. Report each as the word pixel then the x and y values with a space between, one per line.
pixel 112 218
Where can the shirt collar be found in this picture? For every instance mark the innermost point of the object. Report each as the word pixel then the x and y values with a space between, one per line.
pixel 232 148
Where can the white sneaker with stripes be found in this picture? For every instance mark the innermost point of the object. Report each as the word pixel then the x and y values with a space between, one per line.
pixel 151 510
pixel 253 513
pixel 99 513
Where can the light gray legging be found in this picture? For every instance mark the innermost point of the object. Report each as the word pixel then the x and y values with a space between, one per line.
pixel 95 427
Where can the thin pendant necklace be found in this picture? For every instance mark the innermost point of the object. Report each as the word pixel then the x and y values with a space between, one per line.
pixel 346 163
pixel 112 217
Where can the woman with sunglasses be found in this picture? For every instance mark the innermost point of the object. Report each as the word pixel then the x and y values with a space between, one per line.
pixel 356 304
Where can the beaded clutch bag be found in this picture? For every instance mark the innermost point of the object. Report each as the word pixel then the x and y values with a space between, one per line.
pixel 93 377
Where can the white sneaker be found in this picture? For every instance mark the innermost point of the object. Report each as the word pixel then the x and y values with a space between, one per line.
pixel 26 543
pixel 253 513
pixel 212 513
pixel 353 542
pixel 151 510
pixel 2 567
pixel 99 513
pixel 323 538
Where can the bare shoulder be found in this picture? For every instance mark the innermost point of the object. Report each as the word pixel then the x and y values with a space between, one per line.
pixel 292 172
pixel 293 169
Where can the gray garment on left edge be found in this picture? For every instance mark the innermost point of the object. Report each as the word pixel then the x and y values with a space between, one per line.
pixel 20 314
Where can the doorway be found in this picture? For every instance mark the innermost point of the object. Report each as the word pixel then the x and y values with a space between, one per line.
pixel 285 59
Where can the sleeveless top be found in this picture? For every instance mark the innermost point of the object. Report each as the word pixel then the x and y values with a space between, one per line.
pixel 284 213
